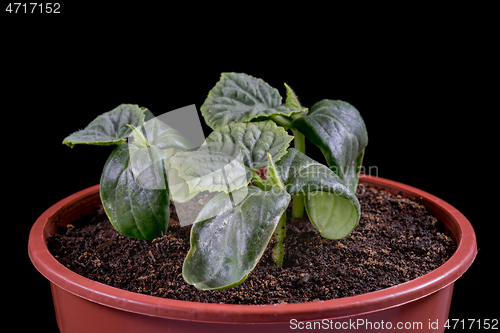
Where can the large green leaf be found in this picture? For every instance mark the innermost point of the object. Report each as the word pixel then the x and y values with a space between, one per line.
pixel 109 128
pixel 226 248
pixel 134 193
pixel 226 160
pixel 206 170
pixel 253 140
pixel 239 97
pixel 332 207
pixel 337 128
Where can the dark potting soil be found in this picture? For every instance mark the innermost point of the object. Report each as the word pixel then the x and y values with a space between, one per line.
pixel 396 240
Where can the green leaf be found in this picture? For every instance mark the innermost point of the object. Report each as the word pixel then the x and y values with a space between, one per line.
pixel 292 101
pixel 253 140
pixel 334 215
pixel 337 128
pixel 179 189
pixel 110 128
pixel 157 134
pixel 332 207
pixel 227 247
pixel 163 136
pixel 272 177
pixel 137 138
pixel 206 170
pixel 226 160
pixel 239 97
pixel 147 166
pixel 134 193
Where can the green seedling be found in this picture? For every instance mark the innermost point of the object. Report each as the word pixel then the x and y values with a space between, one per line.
pixel 247 160
pixel 336 127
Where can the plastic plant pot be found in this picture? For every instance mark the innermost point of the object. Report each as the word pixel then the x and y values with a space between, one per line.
pixel 83 305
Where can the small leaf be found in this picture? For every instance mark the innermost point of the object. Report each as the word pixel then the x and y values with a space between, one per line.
pixel 272 177
pixel 110 128
pixel 137 138
pixel 337 128
pixel 292 101
pixel 135 211
pixel 227 247
pixel 332 208
pixel 163 136
pixel 239 97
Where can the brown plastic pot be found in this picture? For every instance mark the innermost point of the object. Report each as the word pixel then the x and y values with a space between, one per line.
pixel 83 305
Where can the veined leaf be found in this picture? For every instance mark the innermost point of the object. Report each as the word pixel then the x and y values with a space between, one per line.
pixel 226 160
pixel 134 209
pixel 332 208
pixel 337 128
pixel 253 140
pixel 227 247
pixel 110 128
pixel 205 170
pixel 238 98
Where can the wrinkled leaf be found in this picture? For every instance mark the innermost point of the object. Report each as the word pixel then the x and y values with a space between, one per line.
pixel 332 208
pixel 253 140
pixel 205 170
pixel 134 210
pixel 337 128
pixel 110 128
pixel 227 247
pixel 179 189
pixel 225 161
pixel 239 97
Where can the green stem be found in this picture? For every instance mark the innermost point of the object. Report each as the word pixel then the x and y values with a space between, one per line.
pixel 279 236
pixel 298 206
pixel 280 120
pixel 299 142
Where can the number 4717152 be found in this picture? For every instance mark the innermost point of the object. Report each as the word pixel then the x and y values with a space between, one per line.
pixel 33 7
pixel 486 324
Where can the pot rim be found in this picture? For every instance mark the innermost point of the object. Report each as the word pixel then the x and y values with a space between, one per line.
pixel 446 274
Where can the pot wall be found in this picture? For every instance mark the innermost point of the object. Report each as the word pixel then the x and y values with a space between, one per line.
pixel 75 314
pixel 83 305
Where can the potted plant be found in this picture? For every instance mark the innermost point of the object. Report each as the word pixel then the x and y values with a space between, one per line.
pixel 246 159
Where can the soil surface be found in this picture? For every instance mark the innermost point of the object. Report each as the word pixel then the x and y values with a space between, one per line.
pixel 396 240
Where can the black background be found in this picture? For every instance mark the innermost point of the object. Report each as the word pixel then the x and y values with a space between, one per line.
pixel 421 86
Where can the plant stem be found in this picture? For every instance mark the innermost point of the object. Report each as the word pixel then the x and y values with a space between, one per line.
pixel 298 206
pixel 299 142
pixel 280 120
pixel 279 236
